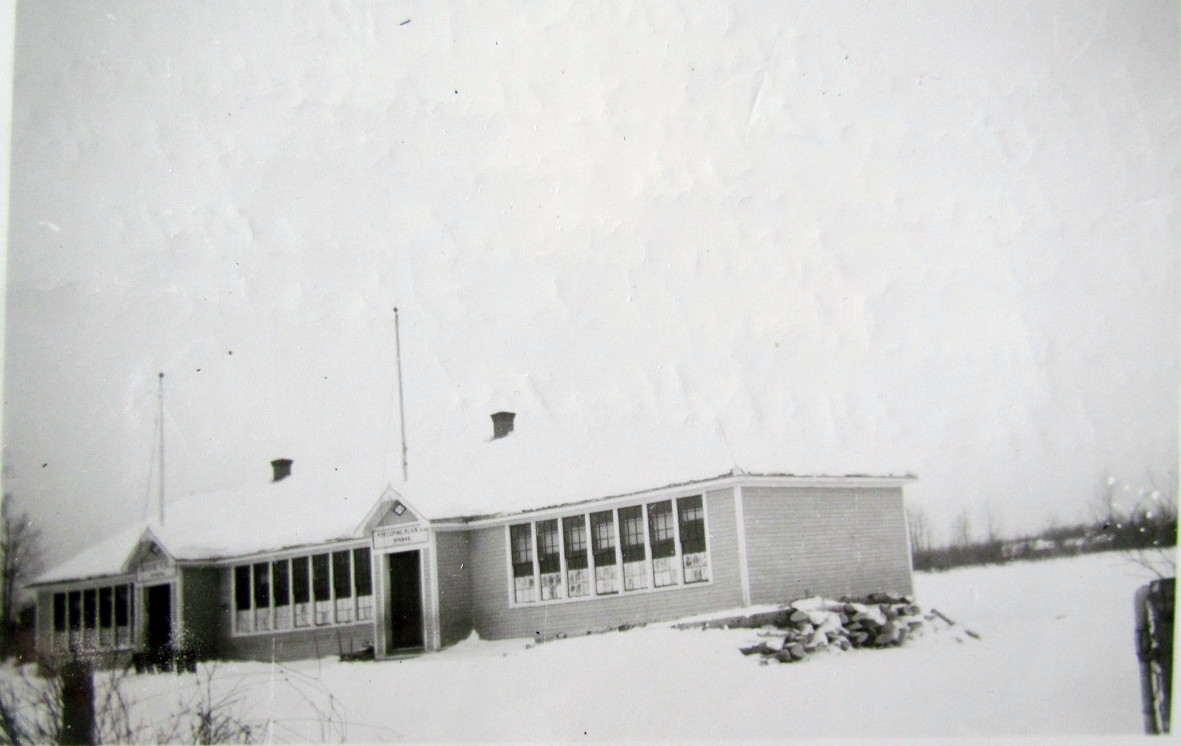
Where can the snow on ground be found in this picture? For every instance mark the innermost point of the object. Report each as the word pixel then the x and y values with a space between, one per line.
pixel 1055 656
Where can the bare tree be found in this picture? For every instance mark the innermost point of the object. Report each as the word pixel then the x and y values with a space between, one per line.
pixel 993 527
pixel 20 555
pixel 961 529
pixel 920 530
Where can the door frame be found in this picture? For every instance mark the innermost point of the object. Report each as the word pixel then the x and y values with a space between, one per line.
pixel 173 612
pixel 387 621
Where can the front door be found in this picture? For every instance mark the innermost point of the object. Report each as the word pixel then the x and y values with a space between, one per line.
pixel 158 632
pixel 405 611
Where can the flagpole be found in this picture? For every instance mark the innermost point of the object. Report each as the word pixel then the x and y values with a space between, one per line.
pixel 401 401
pixel 160 497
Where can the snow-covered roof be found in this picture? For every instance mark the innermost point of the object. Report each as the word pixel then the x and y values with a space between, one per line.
pixel 107 557
pixel 299 510
pixel 544 462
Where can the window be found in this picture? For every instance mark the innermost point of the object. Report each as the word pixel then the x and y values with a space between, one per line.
pixel 342 586
pixel 104 607
pixel 59 611
pixel 635 548
pixel 691 516
pixel 309 590
pixel 262 596
pixel 90 609
pixel 662 539
pixel 521 538
pixel 301 590
pixel 91 619
pixel 631 530
pixel 363 579
pixel 106 630
pixel 75 610
pixel 321 589
pixel 242 615
pixel 123 615
pixel 603 535
pixel 577 572
pixel 280 572
pixel 549 560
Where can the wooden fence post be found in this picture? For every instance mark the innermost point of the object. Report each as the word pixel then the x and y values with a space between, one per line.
pixel 77 679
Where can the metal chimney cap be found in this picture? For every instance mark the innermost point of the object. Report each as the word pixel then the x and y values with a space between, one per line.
pixel 281 468
pixel 502 424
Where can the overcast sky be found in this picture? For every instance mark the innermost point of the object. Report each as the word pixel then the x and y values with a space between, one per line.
pixel 927 237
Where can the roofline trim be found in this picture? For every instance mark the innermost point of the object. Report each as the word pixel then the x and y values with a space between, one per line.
pixel 721 481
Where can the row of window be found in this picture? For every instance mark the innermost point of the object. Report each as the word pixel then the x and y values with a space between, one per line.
pixel 313 590
pixel 93 619
pixel 659 544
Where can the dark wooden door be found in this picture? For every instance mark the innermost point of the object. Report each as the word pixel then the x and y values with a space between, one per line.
pixel 159 622
pixel 405 612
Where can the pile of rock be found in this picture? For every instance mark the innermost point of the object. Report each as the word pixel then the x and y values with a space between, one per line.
pixel 881 620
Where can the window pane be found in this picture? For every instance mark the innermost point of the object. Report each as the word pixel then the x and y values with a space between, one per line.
pixel 660 529
pixel 281 583
pixel 342 575
pixel 262 585
pixel 692 535
pixel 631 526
pixel 577 566
pixel 242 587
pixel 104 607
pixel 301 589
pixel 521 538
pixel 320 587
pixel 631 529
pixel 692 520
pixel 362 575
pixel 574 530
pixel 59 612
pixel 75 602
pixel 547 546
pixel 549 560
pixel 90 608
pixel 521 551
pixel 603 537
pixel 122 605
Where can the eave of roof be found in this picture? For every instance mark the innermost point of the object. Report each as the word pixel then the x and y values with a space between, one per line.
pixel 783 479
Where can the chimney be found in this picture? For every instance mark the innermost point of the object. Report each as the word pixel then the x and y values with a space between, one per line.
pixel 502 424
pixel 282 469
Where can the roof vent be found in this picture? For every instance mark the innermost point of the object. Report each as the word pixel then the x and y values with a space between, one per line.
pixel 282 469
pixel 502 424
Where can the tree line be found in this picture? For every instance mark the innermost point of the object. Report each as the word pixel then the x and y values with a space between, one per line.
pixel 1118 520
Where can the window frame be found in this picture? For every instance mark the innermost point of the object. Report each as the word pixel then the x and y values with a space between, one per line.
pixel 91 624
pixel 588 515
pixel 300 615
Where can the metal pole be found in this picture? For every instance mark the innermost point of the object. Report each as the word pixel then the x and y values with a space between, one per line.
pixel 160 503
pixel 401 404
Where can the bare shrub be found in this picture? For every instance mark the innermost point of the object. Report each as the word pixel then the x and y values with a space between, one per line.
pixel 31 711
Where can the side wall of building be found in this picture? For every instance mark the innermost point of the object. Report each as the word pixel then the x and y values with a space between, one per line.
pixel 493 618
pixel 453 553
pixel 205 613
pixel 820 541
pixel 313 642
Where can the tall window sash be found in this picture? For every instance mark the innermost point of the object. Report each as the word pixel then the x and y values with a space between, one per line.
pixel 574 540
pixel 631 528
pixel 603 541
pixel 521 539
pixel 694 556
pixel 243 619
pixel 662 538
pixel 281 572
